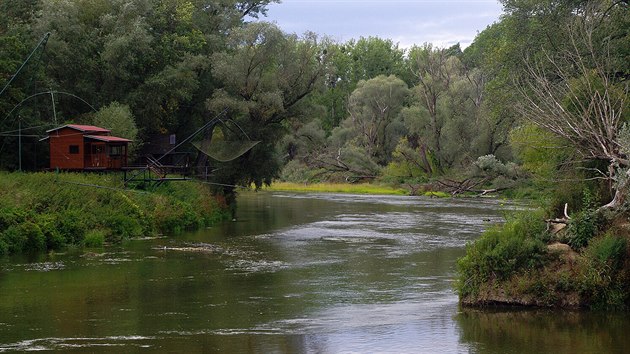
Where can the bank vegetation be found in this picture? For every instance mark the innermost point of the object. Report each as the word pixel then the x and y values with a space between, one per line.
pixel 53 211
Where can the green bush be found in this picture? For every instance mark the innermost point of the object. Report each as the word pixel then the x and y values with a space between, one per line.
pixel 11 217
pixel 4 247
pixel 601 287
pixel 94 238
pixel 502 251
pixel 48 224
pixel 72 225
pixel 122 227
pixel 608 250
pixel 14 239
pixel 35 239
pixel 583 227
pixel 24 237
pixel 584 224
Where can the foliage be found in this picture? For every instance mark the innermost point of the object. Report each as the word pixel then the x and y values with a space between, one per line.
pixel 374 107
pixel 95 238
pixel 604 277
pixel 46 211
pixel 585 224
pixel 265 76
pixel 295 171
pixel 359 188
pixel 503 251
pixel 119 119
pixel 574 91
pixel 489 165
pixel 608 249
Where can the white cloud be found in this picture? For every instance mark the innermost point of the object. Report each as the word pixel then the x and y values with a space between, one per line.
pixel 407 22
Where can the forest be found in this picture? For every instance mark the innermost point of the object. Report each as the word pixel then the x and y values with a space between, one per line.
pixel 539 96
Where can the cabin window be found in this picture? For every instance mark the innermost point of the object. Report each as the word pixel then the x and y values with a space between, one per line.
pixel 115 150
pixel 97 149
pixel 74 149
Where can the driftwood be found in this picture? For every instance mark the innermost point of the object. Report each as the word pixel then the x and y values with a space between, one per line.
pixel 459 187
pixel 468 185
pixel 557 224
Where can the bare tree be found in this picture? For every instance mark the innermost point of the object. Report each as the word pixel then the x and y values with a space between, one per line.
pixel 575 94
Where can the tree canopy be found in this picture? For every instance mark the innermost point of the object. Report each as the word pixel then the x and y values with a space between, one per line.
pixel 323 109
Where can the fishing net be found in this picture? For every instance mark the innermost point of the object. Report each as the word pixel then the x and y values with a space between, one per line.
pixel 222 150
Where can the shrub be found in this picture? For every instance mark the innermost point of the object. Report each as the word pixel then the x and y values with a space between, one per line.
pixel 600 287
pixel 24 237
pixel 502 251
pixel 582 227
pixel 94 238
pixel 608 249
pixel 585 224
pixel 35 239
pixel 11 217
pixel 489 165
pixel 48 224
pixel 72 225
pixel 4 247
pixel 14 239
pixel 46 211
pixel 122 227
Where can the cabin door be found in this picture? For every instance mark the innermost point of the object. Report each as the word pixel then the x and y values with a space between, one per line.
pixel 96 156
pixel 117 156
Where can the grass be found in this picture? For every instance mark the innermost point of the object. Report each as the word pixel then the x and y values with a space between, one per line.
pixel 363 188
pixel 50 211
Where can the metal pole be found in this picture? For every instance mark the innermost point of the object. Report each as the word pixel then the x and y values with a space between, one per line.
pixel 52 97
pixel 20 143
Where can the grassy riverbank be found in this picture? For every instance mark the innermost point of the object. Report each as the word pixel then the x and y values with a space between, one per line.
pixel 48 211
pixel 585 264
pixel 362 188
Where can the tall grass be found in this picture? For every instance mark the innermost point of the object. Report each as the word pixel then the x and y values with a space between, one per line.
pixel 48 211
pixel 336 188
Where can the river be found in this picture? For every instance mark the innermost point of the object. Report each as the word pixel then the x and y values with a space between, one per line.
pixel 295 273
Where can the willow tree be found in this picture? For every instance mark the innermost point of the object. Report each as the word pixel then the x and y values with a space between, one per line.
pixel 265 76
pixel 580 93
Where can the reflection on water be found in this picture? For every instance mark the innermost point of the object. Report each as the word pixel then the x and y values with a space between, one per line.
pixel 544 331
pixel 296 273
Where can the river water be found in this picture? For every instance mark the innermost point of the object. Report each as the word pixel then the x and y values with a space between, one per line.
pixel 295 273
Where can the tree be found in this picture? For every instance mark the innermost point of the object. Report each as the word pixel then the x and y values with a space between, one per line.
pixel 373 57
pixel 265 76
pixel 577 95
pixel 373 115
pixel 433 72
pixel 119 119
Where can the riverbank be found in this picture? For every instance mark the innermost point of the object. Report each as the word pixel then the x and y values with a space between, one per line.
pixel 347 188
pixel 51 211
pixel 584 263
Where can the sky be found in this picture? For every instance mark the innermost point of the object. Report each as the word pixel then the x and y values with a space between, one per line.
pixel 406 22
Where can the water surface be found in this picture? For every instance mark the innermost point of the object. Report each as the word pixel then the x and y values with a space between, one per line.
pixel 296 273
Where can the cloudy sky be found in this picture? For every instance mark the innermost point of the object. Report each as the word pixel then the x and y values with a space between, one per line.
pixel 407 22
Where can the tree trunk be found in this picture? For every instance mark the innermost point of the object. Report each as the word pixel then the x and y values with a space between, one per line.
pixel 201 162
pixel 621 192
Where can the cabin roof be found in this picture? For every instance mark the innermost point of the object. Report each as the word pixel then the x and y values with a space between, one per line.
pixel 108 139
pixel 82 128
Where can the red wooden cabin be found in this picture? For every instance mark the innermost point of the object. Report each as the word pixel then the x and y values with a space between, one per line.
pixel 86 147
